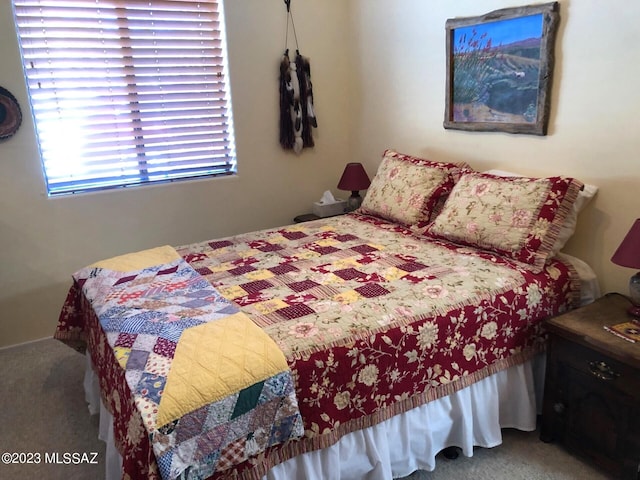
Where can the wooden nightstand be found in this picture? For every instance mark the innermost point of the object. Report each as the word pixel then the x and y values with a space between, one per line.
pixel 592 387
pixel 306 217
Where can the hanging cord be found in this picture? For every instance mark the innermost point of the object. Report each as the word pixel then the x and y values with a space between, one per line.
pixel 295 35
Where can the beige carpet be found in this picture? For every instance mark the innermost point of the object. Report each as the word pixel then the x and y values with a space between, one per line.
pixel 42 411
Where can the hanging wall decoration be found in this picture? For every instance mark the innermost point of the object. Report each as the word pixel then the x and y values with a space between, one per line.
pixel 10 114
pixel 297 114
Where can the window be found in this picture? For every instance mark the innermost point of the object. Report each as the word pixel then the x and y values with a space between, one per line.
pixel 127 92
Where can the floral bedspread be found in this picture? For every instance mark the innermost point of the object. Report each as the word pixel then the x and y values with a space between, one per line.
pixel 372 319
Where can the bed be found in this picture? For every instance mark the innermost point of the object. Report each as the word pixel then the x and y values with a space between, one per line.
pixel 385 334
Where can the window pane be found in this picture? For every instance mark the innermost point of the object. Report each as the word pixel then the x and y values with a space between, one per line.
pixel 127 92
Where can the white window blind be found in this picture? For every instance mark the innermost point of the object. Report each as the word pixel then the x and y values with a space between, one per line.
pixel 127 92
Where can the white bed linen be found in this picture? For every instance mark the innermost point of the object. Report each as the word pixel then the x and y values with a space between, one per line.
pixel 397 447
pixel 473 416
pixel 405 443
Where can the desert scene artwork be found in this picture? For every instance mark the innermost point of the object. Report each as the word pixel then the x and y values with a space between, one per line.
pixel 499 69
pixel 496 68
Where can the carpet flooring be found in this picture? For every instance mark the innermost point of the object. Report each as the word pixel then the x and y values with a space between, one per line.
pixel 43 413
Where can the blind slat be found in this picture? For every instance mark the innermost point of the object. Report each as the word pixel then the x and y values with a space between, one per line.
pixel 125 10
pixel 127 92
pixel 169 43
pixel 98 155
pixel 33 27
pixel 144 112
pixel 145 84
pixel 98 64
pixel 118 92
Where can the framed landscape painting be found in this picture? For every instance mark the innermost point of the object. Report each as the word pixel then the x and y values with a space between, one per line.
pixel 499 69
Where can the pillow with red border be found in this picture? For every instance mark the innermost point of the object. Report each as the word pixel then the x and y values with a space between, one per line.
pixel 516 217
pixel 406 189
pixel 568 229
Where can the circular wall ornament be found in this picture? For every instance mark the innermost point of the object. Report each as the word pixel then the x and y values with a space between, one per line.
pixel 10 114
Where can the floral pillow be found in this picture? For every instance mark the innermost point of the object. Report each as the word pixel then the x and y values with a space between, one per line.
pixel 406 189
pixel 516 217
pixel 569 227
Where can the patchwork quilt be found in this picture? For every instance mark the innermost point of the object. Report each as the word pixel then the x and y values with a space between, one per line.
pixel 372 319
pixel 202 374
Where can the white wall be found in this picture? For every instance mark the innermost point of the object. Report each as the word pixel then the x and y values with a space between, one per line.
pixel 44 240
pixel 595 102
pixel 378 69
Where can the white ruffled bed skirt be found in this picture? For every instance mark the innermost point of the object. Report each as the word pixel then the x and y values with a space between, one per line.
pixel 403 444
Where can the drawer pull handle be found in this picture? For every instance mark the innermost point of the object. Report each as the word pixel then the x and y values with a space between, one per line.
pixel 603 371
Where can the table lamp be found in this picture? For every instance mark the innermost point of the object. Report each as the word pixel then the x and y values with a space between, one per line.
pixel 628 255
pixel 354 178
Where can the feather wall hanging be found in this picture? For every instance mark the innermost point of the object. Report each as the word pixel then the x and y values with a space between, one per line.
pixel 297 114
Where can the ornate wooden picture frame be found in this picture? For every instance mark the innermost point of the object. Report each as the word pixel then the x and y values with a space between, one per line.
pixel 499 70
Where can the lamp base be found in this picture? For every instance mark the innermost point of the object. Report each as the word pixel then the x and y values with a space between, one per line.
pixel 634 311
pixel 634 296
pixel 634 288
pixel 354 201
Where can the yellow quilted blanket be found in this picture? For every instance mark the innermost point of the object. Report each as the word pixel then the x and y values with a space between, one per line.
pixel 216 359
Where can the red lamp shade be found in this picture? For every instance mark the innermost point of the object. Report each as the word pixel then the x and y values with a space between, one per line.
pixel 628 253
pixel 354 178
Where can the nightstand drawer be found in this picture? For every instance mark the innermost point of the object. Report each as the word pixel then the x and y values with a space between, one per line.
pixel 600 367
